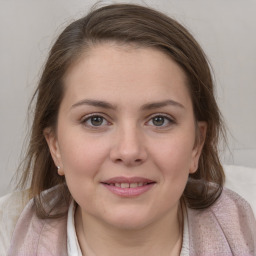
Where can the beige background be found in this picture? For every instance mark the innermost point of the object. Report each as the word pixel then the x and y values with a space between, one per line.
pixel 225 28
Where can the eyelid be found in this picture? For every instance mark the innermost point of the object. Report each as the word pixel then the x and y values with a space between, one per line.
pixel 167 116
pixel 85 118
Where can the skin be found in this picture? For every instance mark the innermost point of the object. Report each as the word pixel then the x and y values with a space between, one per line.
pixel 127 143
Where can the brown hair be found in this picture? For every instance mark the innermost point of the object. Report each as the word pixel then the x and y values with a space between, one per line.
pixel 123 23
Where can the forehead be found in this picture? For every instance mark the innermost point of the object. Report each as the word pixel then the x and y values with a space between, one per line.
pixel 109 69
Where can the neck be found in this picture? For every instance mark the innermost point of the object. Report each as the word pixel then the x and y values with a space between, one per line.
pixel 163 237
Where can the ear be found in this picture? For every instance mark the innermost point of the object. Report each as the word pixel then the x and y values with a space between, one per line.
pixel 53 145
pixel 201 129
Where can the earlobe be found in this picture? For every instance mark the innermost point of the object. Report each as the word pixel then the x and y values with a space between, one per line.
pixel 53 146
pixel 201 130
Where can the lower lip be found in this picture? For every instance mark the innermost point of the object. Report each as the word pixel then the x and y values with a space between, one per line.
pixel 129 192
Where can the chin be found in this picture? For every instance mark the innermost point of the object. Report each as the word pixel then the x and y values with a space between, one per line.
pixel 129 220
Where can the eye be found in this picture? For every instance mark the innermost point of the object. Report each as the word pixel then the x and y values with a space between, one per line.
pixel 95 121
pixel 160 121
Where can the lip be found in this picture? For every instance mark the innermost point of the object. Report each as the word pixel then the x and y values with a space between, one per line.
pixel 122 179
pixel 131 191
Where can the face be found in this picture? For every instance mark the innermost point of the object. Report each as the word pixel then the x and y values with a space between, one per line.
pixel 126 135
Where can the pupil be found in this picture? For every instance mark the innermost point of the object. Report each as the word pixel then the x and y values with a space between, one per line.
pixel 96 120
pixel 158 120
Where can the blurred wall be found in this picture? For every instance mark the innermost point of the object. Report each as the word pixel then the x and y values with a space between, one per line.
pixel 225 29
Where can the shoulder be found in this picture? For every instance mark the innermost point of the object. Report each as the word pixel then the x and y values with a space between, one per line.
pixel 40 236
pixel 11 206
pixel 230 222
pixel 233 212
pixel 235 217
pixel 231 207
pixel 230 199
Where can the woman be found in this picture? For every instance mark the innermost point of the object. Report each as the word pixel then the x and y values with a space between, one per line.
pixel 123 154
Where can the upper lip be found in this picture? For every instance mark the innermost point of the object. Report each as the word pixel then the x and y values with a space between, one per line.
pixel 128 180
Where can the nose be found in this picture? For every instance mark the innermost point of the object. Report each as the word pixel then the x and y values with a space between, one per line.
pixel 129 147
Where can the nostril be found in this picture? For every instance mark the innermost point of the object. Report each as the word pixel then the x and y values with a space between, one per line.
pixel 128 161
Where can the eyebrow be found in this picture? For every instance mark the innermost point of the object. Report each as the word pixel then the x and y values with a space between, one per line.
pixel 161 104
pixel 106 105
pixel 95 103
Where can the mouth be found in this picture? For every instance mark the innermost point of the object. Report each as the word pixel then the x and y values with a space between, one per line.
pixel 128 187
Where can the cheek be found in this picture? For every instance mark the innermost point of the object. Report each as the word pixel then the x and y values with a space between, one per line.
pixel 174 153
pixel 174 160
pixel 81 155
pixel 82 160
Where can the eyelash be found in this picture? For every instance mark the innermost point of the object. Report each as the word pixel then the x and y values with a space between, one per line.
pixel 94 115
pixel 100 115
pixel 170 121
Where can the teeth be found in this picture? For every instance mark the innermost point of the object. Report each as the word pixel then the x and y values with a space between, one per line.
pixel 128 185
pixel 124 185
pixel 133 185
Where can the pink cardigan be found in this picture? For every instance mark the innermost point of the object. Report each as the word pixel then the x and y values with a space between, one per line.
pixel 226 228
